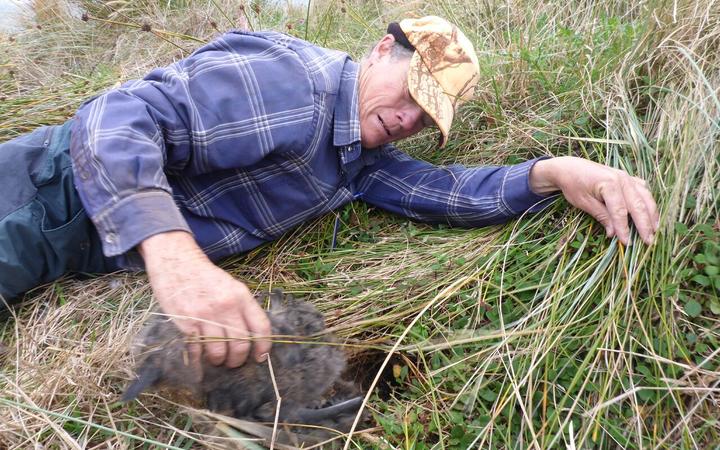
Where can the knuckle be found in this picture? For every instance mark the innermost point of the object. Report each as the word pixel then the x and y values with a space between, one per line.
pixel 230 307
pixel 264 321
pixel 228 300
pixel 241 290
pixel 602 218
pixel 639 205
pixel 620 211
pixel 611 188
pixel 242 344
pixel 258 316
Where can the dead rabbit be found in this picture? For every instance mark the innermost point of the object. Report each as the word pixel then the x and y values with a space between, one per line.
pixel 306 365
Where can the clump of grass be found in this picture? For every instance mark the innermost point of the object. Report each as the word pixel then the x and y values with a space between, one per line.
pixel 541 333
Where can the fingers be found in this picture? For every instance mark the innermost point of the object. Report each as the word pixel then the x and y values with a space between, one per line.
pixel 238 344
pixel 253 322
pixel 630 196
pixel 617 210
pixel 214 343
pixel 259 325
pixel 600 212
pixel 212 305
pixel 638 210
pixel 227 342
pixel 641 206
pixel 609 195
pixel 650 204
pixel 194 357
pixel 248 320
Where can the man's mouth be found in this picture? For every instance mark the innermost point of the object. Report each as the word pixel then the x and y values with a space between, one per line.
pixel 383 125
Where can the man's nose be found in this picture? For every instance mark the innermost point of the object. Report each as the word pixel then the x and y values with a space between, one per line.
pixel 410 116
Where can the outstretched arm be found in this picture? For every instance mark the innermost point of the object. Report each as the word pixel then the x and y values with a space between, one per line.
pixel 481 196
pixel 607 194
pixel 454 195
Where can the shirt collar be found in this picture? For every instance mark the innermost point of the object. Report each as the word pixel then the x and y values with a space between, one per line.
pixel 346 125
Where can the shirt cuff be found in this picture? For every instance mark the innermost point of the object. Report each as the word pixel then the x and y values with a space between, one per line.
pixel 134 219
pixel 516 194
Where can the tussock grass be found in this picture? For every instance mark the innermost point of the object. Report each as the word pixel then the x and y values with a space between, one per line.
pixel 541 333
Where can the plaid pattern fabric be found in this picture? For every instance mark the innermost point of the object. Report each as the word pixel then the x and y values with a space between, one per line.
pixel 248 137
pixel 454 195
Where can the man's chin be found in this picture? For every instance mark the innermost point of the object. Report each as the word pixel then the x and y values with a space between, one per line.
pixel 371 138
pixel 370 144
pixel 374 143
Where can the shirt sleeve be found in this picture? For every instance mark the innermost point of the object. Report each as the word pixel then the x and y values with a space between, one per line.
pixel 454 195
pixel 227 106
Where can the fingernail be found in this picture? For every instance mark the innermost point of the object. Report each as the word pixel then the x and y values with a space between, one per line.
pixel 262 358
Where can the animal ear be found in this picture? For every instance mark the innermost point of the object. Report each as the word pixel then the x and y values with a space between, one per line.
pixel 276 300
pixel 147 376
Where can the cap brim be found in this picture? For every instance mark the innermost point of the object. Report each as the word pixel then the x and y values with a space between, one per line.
pixel 431 97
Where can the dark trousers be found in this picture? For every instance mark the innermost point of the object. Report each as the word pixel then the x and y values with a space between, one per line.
pixel 44 230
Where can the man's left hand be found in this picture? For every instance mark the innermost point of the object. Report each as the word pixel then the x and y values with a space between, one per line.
pixel 607 194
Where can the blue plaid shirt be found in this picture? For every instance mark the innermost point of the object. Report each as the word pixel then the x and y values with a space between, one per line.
pixel 250 136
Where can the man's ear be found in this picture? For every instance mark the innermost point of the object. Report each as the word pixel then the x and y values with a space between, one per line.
pixel 383 47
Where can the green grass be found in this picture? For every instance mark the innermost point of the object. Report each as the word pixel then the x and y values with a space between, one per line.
pixel 541 333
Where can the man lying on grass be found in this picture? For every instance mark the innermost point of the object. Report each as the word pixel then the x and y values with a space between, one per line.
pixel 245 139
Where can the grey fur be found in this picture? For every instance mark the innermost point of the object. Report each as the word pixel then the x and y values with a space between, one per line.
pixel 307 371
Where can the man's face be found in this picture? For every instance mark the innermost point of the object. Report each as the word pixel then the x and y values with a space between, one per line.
pixel 387 111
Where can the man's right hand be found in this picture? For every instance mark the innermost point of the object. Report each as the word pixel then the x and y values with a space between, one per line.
pixel 204 301
pixel 607 194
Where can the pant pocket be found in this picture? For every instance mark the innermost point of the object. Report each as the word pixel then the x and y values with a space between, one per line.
pixel 70 245
pixel 72 241
pixel 56 157
pixel 20 160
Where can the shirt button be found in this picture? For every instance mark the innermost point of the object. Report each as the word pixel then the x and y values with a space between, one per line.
pixel 110 238
pixel 84 175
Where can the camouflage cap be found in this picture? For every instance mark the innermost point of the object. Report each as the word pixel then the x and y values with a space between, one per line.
pixel 443 70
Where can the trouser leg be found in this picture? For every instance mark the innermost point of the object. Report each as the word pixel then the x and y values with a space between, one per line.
pixel 44 230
